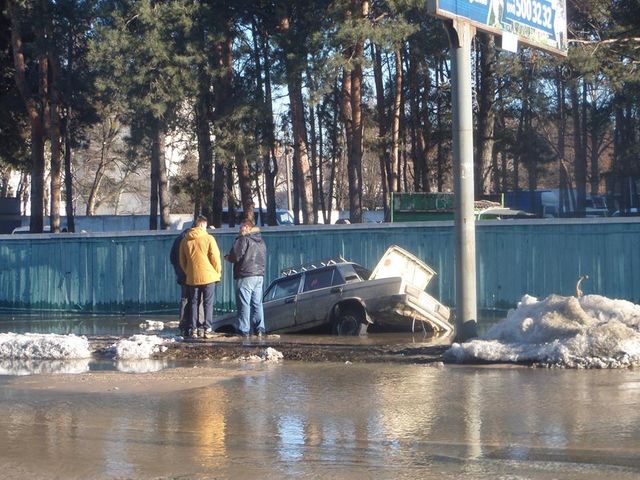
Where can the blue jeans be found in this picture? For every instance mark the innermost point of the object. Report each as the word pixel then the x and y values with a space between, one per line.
pixel 208 295
pixel 249 303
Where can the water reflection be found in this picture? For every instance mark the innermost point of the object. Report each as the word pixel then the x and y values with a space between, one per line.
pixel 144 365
pixel 18 366
pixel 341 421
pixel 90 325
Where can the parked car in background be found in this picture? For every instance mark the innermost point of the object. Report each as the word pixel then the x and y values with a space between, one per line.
pixel 283 216
pixel 346 298
pixel 630 212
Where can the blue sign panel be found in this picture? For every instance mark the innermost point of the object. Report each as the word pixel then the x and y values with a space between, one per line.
pixel 541 23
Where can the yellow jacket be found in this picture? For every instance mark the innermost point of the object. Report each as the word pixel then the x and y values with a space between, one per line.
pixel 200 257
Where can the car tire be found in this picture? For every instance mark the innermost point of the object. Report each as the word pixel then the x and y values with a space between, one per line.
pixel 349 324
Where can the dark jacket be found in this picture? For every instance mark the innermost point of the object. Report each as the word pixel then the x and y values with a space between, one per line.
pixel 174 258
pixel 248 255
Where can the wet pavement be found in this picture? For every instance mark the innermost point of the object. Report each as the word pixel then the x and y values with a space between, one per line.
pixel 379 406
pixel 330 420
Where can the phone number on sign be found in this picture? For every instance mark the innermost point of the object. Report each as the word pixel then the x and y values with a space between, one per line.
pixel 532 12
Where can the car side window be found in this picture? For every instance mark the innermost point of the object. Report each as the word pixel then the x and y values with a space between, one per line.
pixel 285 288
pixel 319 279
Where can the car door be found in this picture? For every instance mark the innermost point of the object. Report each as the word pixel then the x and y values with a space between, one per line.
pixel 317 297
pixel 279 303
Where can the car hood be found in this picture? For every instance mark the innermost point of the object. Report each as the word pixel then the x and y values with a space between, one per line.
pixel 397 262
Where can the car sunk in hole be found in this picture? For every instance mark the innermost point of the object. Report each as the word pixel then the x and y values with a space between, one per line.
pixel 345 298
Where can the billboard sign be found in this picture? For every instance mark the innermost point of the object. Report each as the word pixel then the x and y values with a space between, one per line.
pixel 539 23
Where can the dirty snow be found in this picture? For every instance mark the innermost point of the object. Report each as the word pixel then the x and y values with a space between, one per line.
pixel 587 332
pixel 270 355
pixel 139 346
pixel 43 346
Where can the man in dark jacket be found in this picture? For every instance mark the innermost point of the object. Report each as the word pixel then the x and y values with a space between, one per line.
pixel 248 256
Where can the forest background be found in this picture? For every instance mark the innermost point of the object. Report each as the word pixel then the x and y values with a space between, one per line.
pixel 351 98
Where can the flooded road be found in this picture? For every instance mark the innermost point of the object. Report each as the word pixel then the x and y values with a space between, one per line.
pixel 329 420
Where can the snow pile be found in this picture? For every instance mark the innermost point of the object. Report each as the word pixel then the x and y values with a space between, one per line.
pixel 146 365
pixel 587 332
pixel 270 355
pixel 43 346
pixel 172 324
pixel 152 325
pixel 20 367
pixel 139 346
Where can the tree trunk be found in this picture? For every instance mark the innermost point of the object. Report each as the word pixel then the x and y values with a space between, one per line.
pixel 163 183
pixel 355 158
pixel 314 161
pixel 352 111
pixel 395 120
pixel 334 149
pixel 92 201
pixel 231 200
pixel 4 182
pixel 204 189
pixel 68 175
pixel 244 182
pixel 420 123
pixel 35 108
pixel 54 128
pixel 218 194
pixel 321 196
pixel 153 200
pixel 486 114
pixel 439 149
pixel 300 155
pixel 385 161
pixel 580 157
pixel 270 165
pixel 563 181
pixel 223 92
pixel 596 132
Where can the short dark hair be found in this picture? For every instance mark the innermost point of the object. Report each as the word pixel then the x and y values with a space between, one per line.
pixel 201 220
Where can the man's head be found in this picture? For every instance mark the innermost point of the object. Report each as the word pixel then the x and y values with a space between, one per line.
pixel 246 226
pixel 201 222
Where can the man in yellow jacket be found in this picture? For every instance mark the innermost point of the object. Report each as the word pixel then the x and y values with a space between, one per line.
pixel 200 260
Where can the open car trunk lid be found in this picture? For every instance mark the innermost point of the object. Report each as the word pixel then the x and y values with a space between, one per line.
pixel 415 275
pixel 397 262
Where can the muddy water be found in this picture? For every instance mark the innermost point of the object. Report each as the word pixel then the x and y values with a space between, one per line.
pixel 332 421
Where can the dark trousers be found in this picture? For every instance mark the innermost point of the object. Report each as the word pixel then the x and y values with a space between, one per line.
pixel 185 310
pixel 207 295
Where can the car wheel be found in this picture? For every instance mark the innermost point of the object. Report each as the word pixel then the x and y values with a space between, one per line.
pixel 349 324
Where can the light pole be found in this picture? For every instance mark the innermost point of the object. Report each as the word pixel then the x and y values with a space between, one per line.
pixel 460 34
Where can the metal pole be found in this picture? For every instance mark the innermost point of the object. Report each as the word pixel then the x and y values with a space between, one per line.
pixel 460 36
